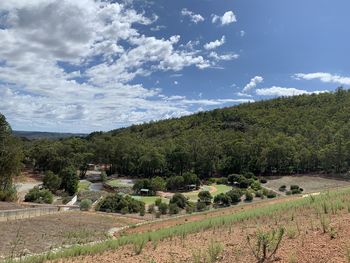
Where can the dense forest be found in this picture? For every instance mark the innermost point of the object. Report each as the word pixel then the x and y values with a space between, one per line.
pixel 300 134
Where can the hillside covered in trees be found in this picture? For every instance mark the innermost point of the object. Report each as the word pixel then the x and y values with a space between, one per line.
pixel 300 134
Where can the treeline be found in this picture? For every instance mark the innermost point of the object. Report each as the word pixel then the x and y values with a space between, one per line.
pixel 298 134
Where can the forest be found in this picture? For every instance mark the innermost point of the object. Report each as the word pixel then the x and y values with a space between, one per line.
pixel 288 135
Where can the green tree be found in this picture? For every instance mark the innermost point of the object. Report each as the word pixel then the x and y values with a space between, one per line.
pixel 11 156
pixel 51 181
pixel 70 180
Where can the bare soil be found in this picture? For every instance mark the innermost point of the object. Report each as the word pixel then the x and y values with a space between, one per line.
pixel 46 232
pixel 10 206
pixel 303 242
pixel 309 183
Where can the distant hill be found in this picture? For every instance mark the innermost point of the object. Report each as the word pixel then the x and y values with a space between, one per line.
pixel 34 135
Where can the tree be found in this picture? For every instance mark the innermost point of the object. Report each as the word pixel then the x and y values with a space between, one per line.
pixel 180 200
pixel 11 156
pixel 37 195
pixel 235 195
pixel 222 200
pixel 70 180
pixel 52 181
pixel 205 197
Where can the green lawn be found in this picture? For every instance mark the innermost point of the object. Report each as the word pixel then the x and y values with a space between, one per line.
pixel 118 183
pixel 83 186
pixel 193 195
pixel 149 199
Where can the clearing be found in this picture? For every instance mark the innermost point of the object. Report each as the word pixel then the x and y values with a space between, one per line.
pixel 307 182
pixel 46 232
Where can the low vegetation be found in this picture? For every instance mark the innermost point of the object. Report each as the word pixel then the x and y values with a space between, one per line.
pixel 36 195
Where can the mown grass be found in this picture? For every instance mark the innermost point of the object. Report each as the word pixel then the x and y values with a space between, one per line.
pixel 83 186
pixel 334 200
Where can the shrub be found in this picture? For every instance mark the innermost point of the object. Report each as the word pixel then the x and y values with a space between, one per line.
pixel 259 194
pixel 248 196
pixel 201 206
pixel 85 205
pixel 288 193
pixel 205 197
pixel 190 207
pixel 263 181
pixel 151 209
pixel 124 210
pixel 163 208
pixel 8 195
pixel 222 200
pixel 180 200
pixel 267 244
pixel 244 183
pixel 52 181
pixel 256 185
pixel 103 176
pixel 234 178
pixel 158 201
pixel 296 191
pixel 249 175
pixel 292 187
pixel 235 195
pixel 222 180
pixel 173 209
pixel 282 188
pixel 271 194
pixel 37 195
pixel 116 203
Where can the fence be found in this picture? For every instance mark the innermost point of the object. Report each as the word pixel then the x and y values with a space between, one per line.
pixel 7 215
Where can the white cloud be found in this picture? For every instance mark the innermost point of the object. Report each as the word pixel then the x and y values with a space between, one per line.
pixel 242 33
pixel 281 91
pixel 253 83
pixel 195 18
pixel 157 28
pixel 215 44
pixel 176 82
pixel 324 77
pixel 225 57
pixel 228 18
pixel 55 77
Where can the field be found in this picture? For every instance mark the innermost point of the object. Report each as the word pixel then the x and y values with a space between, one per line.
pixel 120 183
pixel 45 232
pixel 308 183
pixel 316 230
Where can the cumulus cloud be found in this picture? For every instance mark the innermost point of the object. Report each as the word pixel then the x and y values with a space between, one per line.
pixel 215 44
pixel 253 83
pixel 72 66
pixel 282 91
pixel 324 77
pixel 195 18
pixel 226 19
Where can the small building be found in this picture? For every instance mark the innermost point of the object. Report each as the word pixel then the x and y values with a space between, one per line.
pixel 144 191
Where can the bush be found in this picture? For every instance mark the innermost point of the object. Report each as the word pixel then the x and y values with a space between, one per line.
pixel 235 195
pixel 85 205
pixel 259 194
pixel 151 209
pixel 158 201
pixel 8 195
pixel 294 187
pixel 120 204
pixel 244 183
pixel 222 180
pixel 205 197
pixel 282 188
pixel 163 208
pixel 288 193
pixel 296 191
pixel 234 178
pixel 52 181
pixel 222 200
pixel 37 195
pixel 190 207
pixel 249 175
pixel 211 181
pixel 173 209
pixel 201 206
pixel 271 194
pixel 256 185
pixel 248 196
pixel 180 200
pixel 263 181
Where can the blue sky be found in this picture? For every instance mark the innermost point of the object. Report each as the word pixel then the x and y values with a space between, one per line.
pixel 85 65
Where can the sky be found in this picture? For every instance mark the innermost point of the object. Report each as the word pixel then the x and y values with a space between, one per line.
pixel 96 65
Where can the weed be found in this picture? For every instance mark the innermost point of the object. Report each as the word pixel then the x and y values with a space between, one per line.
pixel 267 244
pixel 214 250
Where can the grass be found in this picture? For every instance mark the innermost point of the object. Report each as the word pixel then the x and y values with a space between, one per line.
pixel 118 183
pixel 149 199
pixel 84 186
pixel 273 210
pixel 193 195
